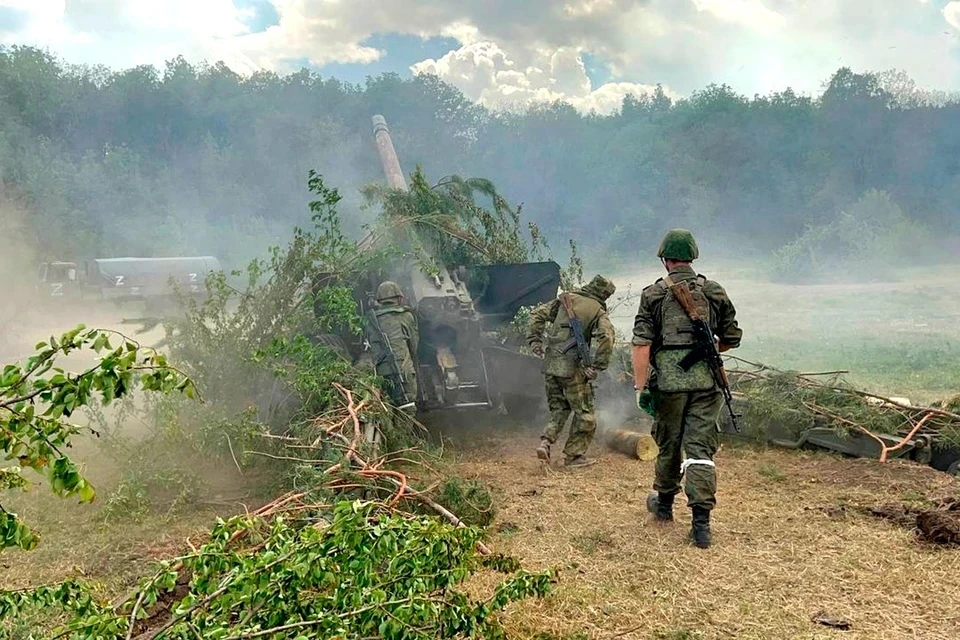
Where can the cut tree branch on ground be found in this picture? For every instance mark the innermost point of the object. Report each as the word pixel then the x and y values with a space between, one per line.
pixel 840 403
pixel 397 479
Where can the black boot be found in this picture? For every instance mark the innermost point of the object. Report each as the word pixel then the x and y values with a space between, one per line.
pixel 661 506
pixel 700 531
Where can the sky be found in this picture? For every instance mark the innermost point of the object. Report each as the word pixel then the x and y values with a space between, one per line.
pixel 505 53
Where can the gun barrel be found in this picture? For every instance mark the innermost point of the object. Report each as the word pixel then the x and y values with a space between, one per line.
pixel 388 155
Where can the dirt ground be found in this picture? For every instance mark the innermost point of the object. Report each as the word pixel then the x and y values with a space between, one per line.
pixel 788 545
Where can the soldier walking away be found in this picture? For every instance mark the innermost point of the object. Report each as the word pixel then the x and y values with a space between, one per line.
pixel 394 335
pixel 685 397
pixel 567 366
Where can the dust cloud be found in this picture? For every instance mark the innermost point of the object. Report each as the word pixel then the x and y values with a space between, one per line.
pixel 17 276
pixel 28 315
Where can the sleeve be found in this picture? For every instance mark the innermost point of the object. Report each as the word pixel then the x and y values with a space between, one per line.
pixel 727 329
pixel 605 335
pixel 644 324
pixel 539 317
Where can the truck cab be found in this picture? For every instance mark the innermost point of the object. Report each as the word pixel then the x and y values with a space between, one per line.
pixel 58 279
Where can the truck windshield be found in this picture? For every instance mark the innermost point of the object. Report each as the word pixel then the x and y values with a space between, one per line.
pixel 60 273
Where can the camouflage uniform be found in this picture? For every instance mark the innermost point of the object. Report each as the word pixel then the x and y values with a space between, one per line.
pixel 568 388
pixel 686 404
pixel 400 328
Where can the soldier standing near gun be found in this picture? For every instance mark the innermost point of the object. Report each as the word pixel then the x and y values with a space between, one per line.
pixel 576 318
pixel 683 323
pixel 394 334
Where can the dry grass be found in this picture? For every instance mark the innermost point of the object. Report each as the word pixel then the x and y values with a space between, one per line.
pixel 75 542
pixel 783 550
pixel 785 547
pixel 80 540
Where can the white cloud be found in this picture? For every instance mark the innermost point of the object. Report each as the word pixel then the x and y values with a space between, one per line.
pixel 951 13
pixel 487 73
pixel 754 45
pixel 312 30
pixel 511 51
pixel 131 32
pixel 750 13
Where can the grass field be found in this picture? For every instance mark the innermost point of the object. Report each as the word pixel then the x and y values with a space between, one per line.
pixel 901 338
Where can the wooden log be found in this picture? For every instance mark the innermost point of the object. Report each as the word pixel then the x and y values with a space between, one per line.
pixel 632 443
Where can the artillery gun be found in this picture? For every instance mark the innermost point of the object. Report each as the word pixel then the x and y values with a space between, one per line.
pixel 461 364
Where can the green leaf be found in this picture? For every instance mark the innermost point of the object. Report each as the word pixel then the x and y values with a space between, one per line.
pixel 86 492
pixel 13 533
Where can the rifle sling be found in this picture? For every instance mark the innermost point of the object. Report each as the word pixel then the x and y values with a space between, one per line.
pixel 568 308
pixel 667 280
pixel 587 330
pixel 699 352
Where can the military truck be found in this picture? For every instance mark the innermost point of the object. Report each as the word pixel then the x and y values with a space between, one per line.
pixel 462 362
pixel 124 279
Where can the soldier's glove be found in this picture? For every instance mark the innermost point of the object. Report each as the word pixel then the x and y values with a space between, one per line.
pixel 645 401
pixel 591 373
pixel 538 349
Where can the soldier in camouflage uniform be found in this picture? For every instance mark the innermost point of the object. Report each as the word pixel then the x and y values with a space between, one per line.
pixel 396 358
pixel 569 383
pixel 686 404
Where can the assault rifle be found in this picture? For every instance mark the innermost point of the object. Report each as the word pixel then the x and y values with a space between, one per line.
pixel 704 346
pixel 576 327
pixel 394 376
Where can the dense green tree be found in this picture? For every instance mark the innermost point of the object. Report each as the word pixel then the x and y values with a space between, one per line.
pixel 196 158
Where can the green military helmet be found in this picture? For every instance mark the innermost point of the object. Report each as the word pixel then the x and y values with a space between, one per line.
pixel 388 290
pixel 600 287
pixel 679 244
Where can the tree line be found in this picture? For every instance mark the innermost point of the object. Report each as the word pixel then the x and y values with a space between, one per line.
pixel 198 159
